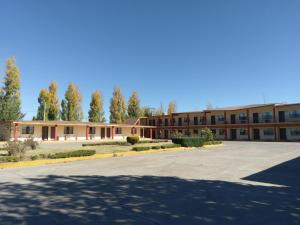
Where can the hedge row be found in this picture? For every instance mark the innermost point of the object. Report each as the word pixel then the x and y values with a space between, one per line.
pixel 9 159
pixel 144 148
pixel 123 143
pixel 78 153
pixel 189 141
pixel 152 141
pixel 133 139
pixel 212 142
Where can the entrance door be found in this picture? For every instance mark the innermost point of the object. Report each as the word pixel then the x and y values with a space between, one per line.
pixel 102 132
pixel 232 118
pixel 282 133
pixel 255 118
pixel 213 120
pixel 108 132
pixel 45 133
pixel 233 134
pixel 52 134
pixel 256 135
pixel 281 115
pixel 166 134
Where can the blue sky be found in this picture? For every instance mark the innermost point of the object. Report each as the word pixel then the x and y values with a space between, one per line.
pixel 218 51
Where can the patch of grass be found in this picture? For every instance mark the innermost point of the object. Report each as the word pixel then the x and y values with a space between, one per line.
pixel 121 143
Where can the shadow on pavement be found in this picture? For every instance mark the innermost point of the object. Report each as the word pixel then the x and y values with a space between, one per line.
pixel 286 173
pixel 145 200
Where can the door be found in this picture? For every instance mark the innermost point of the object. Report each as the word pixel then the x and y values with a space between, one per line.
pixel 256 135
pixel 166 134
pixel 233 134
pixel 44 133
pixel 232 119
pixel 102 132
pixel 213 120
pixel 281 115
pixel 282 133
pixel 255 118
pixel 108 132
pixel 52 135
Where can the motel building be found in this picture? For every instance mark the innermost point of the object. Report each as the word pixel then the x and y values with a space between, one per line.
pixel 259 122
pixel 72 130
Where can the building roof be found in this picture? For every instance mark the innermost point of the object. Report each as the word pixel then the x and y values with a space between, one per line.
pixel 74 123
pixel 131 121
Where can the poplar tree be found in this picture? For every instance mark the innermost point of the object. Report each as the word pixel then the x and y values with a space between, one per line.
pixel 96 113
pixel 172 107
pixel 73 103
pixel 64 110
pixel 43 109
pixel 53 113
pixel 134 109
pixel 10 102
pixel 117 107
pixel 160 110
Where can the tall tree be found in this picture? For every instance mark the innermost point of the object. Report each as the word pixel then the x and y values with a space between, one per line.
pixel 43 109
pixel 10 102
pixel 117 107
pixel 73 103
pixel 172 107
pixel 53 113
pixel 147 111
pixel 96 113
pixel 64 110
pixel 161 110
pixel 133 108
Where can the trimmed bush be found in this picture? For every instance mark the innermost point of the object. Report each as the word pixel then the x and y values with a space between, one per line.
pixel 15 148
pixel 152 141
pixel 31 143
pixel 133 139
pixel 213 142
pixel 122 143
pixel 170 146
pixel 189 141
pixel 142 148
pixel 34 157
pixel 9 159
pixel 78 153
pixel 156 147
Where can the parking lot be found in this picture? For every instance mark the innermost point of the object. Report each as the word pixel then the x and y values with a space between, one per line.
pixel 238 183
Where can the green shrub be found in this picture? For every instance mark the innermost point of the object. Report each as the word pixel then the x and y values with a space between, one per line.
pixel 189 141
pixel 42 156
pixel 156 147
pixel 207 134
pixel 15 148
pixel 122 143
pixel 9 159
pixel 78 153
pixel 170 146
pixel 151 141
pixel 142 148
pixel 133 139
pixel 31 143
pixel 34 157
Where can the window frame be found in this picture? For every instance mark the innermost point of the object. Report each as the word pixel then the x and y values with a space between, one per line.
pixel 28 129
pixel 68 130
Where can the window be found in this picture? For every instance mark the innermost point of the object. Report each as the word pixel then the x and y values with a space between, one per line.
pixel 268 131
pixel 243 131
pixel 294 114
pixel 295 131
pixel 267 117
pixel 179 121
pixel 220 118
pixel 92 130
pixel 68 130
pixel 187 133
pixel 202 120
pixel 195 132
pixel 27 129
pixel 243 117
pixel 195 120
pixel 186 120
pixel 214 131
pixel 119 130
pixel 221 132
pixel 166 122
pixel 159 122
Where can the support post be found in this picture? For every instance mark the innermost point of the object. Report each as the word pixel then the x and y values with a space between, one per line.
pixel 87 133
pixel 112 132
pixel 150 133
pixel 15 132
pixel 225 122
pixel 248 125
